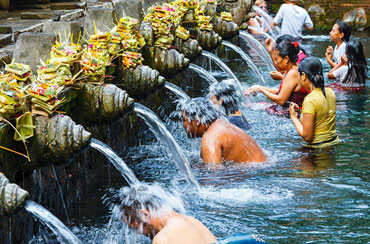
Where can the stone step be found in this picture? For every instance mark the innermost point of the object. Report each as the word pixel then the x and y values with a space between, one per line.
pixel 32 6
pixel 5 39
pixel 68 6
pixel 5 29
pixel 40 15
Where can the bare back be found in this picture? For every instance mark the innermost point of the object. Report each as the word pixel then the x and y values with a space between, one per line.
pixel 225 141
pixel 184 230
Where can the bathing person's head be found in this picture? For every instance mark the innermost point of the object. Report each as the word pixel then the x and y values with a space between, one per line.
pixel 224 94
pixel 198 114
pixel 311 71
pixel 286 51
pixel 340 31
pixel 143 205
pixel 261 3
pixel 357 66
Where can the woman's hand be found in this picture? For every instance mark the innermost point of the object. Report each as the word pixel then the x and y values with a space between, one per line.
pixel 252 90
pixel 269 44
pixel 329 53
pixel 293 108
pixel 276 75
pixel 344 59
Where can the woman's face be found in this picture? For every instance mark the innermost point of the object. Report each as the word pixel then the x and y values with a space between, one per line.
pixel 281 62
pixel 303 80
pixel 335 34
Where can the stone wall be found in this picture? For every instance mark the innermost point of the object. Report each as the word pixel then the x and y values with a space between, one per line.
pixel 325 13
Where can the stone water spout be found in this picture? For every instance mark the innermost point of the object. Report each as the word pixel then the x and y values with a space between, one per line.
pixel 166 61
pixel 226 29
pixel 141 81
pixel 12 197
pixel 190 48
pixel 104 103
pixel 238 8
pixel 208 40
pixel 57 138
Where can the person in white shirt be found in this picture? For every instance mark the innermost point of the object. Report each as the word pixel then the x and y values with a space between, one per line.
pixel 340 34
pixel 292 19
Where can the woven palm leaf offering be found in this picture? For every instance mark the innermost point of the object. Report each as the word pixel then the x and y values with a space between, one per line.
pixel 93 67
pixel 66 52
pixel 226 16
pixel 56 72
pixel 131 59
pixel 11 96
pixel 21 73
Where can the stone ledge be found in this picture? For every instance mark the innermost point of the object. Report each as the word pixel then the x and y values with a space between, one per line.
pixel 68 5
pixel 5 39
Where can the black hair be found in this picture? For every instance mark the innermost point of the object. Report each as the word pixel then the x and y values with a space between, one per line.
pixel 200 109
pixel 227 92
pixel 312 67
pixel 285 44
pixel 357 66
pixel 344 28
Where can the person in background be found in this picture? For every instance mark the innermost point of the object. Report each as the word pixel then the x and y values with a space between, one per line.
pixel 292 19
pixel 317 123
pixel 224 95
pixel 256 21
pixel 285 59
pixel 352 69
pixel 221 140
pixel 340 34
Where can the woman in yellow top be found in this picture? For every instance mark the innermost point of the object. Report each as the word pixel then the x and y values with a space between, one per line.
pixel 317 124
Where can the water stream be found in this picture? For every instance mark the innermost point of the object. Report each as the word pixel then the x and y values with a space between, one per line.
pixel 176 90
pixel 125 171
pixel 246 58
pixel 223 66
pixel 203 73
pixel 268 21
pixel 261 32
pixel 254 43
pixel 63 234
pixel 161 132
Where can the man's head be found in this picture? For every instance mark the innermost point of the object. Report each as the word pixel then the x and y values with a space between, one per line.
pixel 143 206
pixel 224 94
pixel 261 3
pixel 198 114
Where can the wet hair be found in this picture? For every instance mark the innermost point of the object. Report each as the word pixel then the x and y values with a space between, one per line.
pixel 344 28
pixel 227 92
pixel 312 67
pixel 357 66
pixel 149 197
pixel 285 45
pixel 200 109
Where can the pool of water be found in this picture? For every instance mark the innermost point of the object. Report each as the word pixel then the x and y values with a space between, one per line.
pixel 297 196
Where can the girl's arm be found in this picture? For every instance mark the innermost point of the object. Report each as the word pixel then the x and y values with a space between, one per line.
pixel 257 88
pixel 343 61
pixel 329 55
pixel 306 128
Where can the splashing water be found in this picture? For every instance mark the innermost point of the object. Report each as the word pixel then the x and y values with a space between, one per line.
pixel 253 42
pixel 246 58
pixel 160 131
pixel 203 73
pixel 268 21
pixel 261 32
pixel 115 160
pixel 223 66
pixel 63 234
pixel 177 91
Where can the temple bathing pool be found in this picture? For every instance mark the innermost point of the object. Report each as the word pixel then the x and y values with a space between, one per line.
pixel 298 196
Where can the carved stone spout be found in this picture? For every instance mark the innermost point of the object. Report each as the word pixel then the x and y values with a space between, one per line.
pixel 166 61
pixel 226 29
pixel 104 103
pixel 208 40
pixel 12 197
pixel 238 8
pixel 142 80
pixel 190 48
pixel 58 137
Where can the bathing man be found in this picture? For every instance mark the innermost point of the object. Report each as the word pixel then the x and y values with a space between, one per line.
pixel 150 211
pixel 293 18
pixel 221 140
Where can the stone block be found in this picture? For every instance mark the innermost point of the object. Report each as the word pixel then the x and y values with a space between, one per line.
pixel 5 39
pixel 5 29
pixel 40 15
pixel 149 3
pixel 67 5
pixel 103 18
pixel 4 14
pixel 63 28
pixel 132 8
pixel 31 47
pixel 32 6
pixel 70 15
